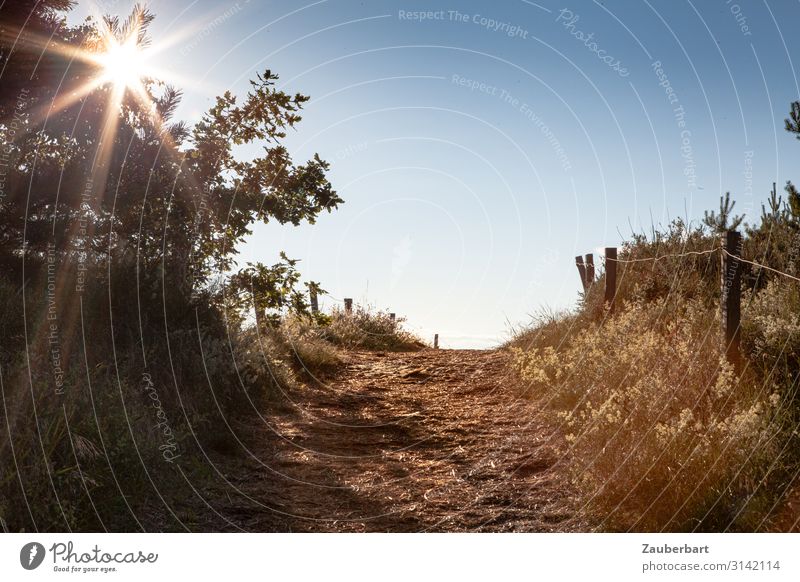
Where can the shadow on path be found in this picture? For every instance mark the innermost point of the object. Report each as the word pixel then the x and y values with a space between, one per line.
pixel 435 440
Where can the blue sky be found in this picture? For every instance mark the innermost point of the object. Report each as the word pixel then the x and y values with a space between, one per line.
pixel 482 147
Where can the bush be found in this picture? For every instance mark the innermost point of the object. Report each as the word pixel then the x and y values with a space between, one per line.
pixel 678 262
pixel 771 331
pixel 660 432
pixel 369 330
pixel 105 441
pixel 114 442
pixel 300 341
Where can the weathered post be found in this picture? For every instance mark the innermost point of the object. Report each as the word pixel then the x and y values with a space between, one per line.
pixel 581 270
pixel 348 305
pixel 611 278
pixel 589 270
pixel 314 302
pixel 436 341
pixel 731 295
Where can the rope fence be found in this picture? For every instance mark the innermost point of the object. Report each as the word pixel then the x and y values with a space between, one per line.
pixel 670 256
pixel 707 252
pixel 760 266
pixel 730 283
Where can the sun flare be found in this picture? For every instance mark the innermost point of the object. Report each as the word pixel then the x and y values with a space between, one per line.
pixel 123 64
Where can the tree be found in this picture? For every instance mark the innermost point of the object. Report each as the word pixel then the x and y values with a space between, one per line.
pixel 793 121
pixel 270 292
pixel 725 220
pixel 170 202
pixel 27 29
pixel 146 209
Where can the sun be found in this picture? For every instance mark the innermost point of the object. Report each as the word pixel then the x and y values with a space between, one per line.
pixel 123 64
pixel 123 53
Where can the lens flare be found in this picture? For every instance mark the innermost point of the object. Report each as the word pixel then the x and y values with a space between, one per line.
pixel 122 63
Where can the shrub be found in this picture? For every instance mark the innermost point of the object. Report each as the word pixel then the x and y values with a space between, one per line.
pixel 366 329
pixel 113 444
pixel 660 432
pixel 300 341
pixel 771 331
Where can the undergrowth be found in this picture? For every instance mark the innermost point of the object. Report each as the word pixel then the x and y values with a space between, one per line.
pixel 109 433
pixel 660 432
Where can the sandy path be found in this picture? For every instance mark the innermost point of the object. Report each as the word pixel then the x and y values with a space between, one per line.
pixel 434 440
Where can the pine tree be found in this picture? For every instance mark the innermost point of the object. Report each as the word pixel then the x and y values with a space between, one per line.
pixel 725 220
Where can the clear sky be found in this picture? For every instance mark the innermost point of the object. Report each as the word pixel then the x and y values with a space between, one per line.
pixel 482 147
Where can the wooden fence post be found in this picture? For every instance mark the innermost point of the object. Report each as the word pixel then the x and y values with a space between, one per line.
pixel 731 295
pixel 314 303
pixel 581 271
pixel 436 341
pixel 348 305
pixel 611 278
pixel 589 270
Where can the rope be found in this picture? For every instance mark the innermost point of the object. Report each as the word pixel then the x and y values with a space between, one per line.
pixel 715 249
pixel 760 266
pixel 677 255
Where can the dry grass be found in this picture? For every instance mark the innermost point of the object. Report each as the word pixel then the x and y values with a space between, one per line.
pixel 367 329
pixel 314 347
pixel 71 450
pixel 93 457
pixel 299 341
pixel 662 434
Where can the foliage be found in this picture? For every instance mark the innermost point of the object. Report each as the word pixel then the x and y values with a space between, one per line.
pixel 366 329
pixel 175 201
pixel 725 220
pixel 271 292
pixel 771 334
pixel 661 434
pixel 793 121
pixel 117 244
pixel 302 342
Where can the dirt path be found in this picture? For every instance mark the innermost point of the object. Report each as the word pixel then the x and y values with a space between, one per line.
pixel 426 441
